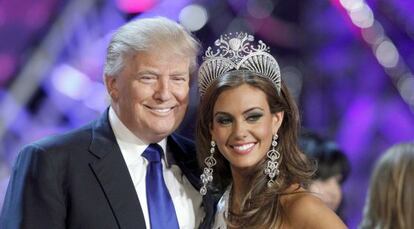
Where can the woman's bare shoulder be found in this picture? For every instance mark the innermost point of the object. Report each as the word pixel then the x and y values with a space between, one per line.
pixel 304 210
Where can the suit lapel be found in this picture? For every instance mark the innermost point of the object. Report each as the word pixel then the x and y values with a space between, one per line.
pixel 112 173
pixel 185 157
pixel 184 154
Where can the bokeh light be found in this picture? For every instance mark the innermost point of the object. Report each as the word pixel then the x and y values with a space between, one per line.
pixel 387 54
pixel 193 17
pixel 352 5
pixel 362 17
pixel 406 88
pixel 374 34
pixel 71 82
pixel 133 6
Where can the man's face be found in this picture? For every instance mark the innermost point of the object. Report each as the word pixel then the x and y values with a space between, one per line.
pixel 150 95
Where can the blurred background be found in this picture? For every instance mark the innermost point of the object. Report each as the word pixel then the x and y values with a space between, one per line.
pixel 348 63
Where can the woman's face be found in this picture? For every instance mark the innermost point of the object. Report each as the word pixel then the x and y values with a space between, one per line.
pixel 243 126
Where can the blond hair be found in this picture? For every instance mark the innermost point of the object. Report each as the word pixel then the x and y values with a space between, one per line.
pixel 390 200
pixel 146 35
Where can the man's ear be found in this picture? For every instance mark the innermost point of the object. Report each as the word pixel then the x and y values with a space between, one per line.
pixel 111 87
pixel 277 121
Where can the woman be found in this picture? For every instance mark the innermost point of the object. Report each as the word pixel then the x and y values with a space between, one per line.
pixel 333 169
pixel 390 200
pixel 247 138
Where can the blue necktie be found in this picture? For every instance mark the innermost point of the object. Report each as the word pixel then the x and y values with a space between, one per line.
pixel 160 206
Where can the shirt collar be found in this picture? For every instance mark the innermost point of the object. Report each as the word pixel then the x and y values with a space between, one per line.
pixel 124 134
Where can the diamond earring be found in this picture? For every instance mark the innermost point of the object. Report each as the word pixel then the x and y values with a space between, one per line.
pixel 207 175
pixel 272 167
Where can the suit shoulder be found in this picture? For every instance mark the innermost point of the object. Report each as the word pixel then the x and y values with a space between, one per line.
pixel 58 151
pixel 186 143
pixel 182 138
pixel 72 137
pixel 77 140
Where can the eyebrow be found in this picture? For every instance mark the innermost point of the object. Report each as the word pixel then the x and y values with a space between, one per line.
pixel 154 72
pixel 179 73
pixel 253 108
pixel 148 71
pixel 244 112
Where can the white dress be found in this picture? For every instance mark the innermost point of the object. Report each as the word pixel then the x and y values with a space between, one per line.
pixel 222 210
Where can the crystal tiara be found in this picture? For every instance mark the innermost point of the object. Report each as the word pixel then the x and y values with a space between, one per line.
pixel 234 51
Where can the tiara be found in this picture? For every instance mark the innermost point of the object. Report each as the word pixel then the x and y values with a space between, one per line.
pixel 235 52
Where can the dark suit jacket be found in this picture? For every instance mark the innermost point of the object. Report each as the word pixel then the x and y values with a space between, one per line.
pixel 80 180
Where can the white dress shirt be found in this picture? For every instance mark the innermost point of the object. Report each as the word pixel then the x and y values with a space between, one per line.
pixel 186 199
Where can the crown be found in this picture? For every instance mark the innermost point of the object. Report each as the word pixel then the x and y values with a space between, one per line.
pixel 234 51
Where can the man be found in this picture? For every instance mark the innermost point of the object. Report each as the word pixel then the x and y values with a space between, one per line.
pixel 104 175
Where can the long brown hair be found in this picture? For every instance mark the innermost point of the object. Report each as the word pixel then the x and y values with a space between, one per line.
pixel 390 200
pixel 261 206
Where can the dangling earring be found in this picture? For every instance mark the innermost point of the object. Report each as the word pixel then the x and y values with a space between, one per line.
pixel 207 175
pixel 272 167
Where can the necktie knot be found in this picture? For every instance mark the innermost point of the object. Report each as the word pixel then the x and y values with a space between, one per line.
pixel 153 153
